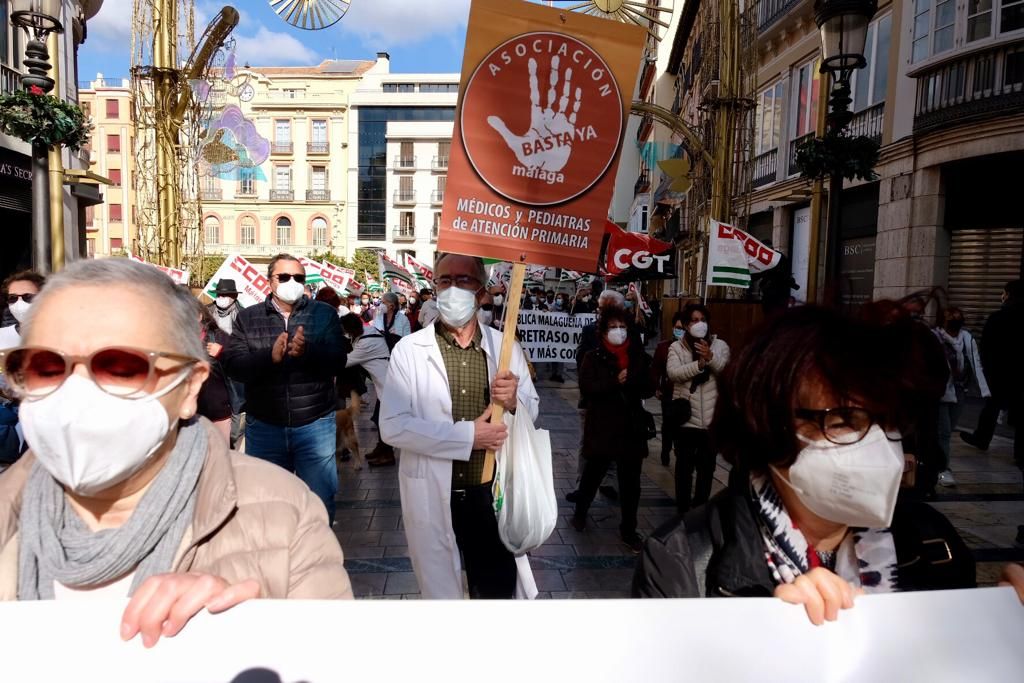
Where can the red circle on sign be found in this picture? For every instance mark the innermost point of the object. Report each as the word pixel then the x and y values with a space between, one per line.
pixel 541 118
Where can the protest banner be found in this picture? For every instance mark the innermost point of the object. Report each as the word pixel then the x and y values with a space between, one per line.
pixel 179 276
pixel 635 250
pixel 965 635
pixel 733 255
pixel 543 106
pixel 551 337
pixel 252 285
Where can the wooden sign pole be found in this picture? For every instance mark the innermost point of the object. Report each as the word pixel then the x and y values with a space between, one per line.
pixel 508 340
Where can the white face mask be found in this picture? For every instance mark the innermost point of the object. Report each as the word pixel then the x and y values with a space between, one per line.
pixel 224 302
pixel 617 336
pixel 699 330
pixel 498 299
pixel 89 440
pixel 456 306
pixel 485 318
pixel 19 309
pixel 854 484
pixel 290 292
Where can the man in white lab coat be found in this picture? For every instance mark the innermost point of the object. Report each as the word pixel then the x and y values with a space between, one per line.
pixel 435 409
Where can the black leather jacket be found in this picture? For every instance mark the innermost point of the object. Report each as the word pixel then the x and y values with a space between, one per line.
pixel 716 551
pixel 296 391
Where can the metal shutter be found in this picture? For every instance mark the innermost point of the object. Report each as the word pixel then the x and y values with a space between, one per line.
pixel 981 261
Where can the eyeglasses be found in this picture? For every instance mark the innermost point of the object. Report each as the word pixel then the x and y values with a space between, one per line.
pixel 285 277
pixel 13 298
pixel 844 425
pixel 486 307
pixel 460 281
pixel 122 371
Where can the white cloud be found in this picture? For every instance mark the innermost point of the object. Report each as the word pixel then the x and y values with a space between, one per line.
pixel 111 28
pixel 273 48
pixel 386 24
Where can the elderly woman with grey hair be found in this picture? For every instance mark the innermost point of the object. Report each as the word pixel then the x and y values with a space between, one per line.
pixel 125 491
pixel 391 318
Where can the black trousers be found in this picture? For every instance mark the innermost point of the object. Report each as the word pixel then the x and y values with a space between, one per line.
pixel 490 567
pixel 987 425
pixel 693 452
pixel 668 426
pixel 628 468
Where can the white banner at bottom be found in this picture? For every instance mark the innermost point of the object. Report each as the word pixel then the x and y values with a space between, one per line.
pixel 969 635
pixel 551 337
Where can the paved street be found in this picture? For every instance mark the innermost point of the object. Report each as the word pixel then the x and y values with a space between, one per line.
pixel 986 507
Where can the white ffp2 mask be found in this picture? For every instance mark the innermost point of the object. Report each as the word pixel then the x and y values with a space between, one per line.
pixel 699 330
pixel 90 440
pixel 19 309
pixel 456 306
pixel 290 292
pixel 854 484
pixel 617 336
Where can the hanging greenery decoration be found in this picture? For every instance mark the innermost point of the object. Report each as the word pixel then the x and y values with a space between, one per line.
pixel 851 157
pixel 33 116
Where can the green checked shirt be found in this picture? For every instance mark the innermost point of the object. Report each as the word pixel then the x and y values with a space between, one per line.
pixel 470 389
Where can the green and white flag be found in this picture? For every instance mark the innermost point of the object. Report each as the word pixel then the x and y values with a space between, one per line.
pixel 733 255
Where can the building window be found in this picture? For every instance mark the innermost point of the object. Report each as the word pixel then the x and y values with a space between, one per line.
pixel 768 119
pixel 807 86
pixel 248 232
pixel 114 143
pixel 283 232
pixel 247 181
pixel 407 223
pixel 212 230
pixel 114 213
pixel 283 178
pixel 643 218
pixel 933 28
pixel 115 244
pixel 115 177
pixel 405 154
pixel 282 132
pixel 1011 18
pixel 444 150
pixel 399 87
pixel 320 131
pixel 90 216
pixel 319 232
pixel 86 106
pixel 439 87
pixel 318 179
pixel 292 93
pixel 869 83
pixel 113 109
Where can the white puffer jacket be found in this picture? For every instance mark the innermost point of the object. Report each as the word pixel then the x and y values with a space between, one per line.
pixel 682 367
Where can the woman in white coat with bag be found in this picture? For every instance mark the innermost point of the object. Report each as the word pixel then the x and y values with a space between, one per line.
pixel 417 418
pixel 694 364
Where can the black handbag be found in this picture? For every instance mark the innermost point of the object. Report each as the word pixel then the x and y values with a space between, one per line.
pixel 648 422
pixel 680 411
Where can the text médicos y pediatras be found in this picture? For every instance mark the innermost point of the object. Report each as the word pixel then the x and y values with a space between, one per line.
pixel 496 219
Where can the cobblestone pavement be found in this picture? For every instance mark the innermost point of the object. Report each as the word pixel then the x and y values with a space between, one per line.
pixel 986 506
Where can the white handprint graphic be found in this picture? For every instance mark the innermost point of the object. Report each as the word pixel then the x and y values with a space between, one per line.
pixel 547 145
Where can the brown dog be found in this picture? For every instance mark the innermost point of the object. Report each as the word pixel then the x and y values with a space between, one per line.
pixel 345 432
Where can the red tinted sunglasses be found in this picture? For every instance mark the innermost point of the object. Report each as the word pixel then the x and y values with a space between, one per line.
pixel 122 371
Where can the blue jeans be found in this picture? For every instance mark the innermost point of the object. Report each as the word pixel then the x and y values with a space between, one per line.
pixel 308 451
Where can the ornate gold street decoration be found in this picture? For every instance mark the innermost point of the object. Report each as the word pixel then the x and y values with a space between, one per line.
pixel 652 15
pixel 311 15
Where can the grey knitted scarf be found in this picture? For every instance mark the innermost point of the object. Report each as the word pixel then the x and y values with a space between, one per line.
pixel 56 545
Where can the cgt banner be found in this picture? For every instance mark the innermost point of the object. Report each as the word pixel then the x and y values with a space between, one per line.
pixel 252 285
pixel 542 110
pixel 551 337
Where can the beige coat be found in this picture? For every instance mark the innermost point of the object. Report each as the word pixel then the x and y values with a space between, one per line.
pixel 681 367
pixel 252 520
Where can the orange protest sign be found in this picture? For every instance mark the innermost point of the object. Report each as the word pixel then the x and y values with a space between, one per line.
pixel 543 107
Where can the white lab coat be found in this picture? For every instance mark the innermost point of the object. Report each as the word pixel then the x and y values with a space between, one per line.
pixel 416 417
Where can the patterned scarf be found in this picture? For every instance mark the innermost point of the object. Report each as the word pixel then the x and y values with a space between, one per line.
pixel 866 557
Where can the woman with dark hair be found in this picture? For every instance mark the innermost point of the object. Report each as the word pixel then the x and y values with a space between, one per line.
pixel 215 396
pixel 693 365
pixel 816 425
pixel 615 378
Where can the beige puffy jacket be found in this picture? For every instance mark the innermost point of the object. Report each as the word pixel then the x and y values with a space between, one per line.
pixel 252 520
pixel 682 367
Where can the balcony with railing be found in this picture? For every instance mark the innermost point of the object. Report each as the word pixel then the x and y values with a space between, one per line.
pixel 769 12
pixel 437 197
pixel 869 122
pixel 439 164
pixel 405 196
pixel 282 195
pixel 404 233
pixel 318 195
pixel 646 126
pixel 403 163
pixel 791 167
pixel 643 182
pixel 282 148
pixel 261 249
pixel 318 148
pixel 975 86
pixel 766 166
pixel 10 80
pixel 211 194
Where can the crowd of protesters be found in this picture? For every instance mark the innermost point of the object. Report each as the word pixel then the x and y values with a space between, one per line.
pixel 97 410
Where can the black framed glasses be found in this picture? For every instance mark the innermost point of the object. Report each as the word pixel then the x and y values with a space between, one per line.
pixel 460 281
pixel 36 372
pixel 285 277
pixel 13 298
pixel 844 425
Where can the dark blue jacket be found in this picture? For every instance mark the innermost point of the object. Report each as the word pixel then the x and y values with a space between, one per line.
pixel 296 391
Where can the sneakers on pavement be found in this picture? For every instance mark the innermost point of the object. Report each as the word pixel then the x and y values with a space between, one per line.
pixel 971 440
pixel 946 478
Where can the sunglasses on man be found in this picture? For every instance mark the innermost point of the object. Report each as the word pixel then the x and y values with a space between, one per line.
pixel 285 277
pixel 13 298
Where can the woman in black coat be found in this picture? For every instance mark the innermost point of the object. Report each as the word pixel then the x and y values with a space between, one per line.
pixel 615 378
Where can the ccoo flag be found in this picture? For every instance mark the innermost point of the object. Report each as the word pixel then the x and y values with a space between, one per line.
pixel 733 255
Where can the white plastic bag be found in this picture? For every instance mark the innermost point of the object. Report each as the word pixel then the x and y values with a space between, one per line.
pixel 524 487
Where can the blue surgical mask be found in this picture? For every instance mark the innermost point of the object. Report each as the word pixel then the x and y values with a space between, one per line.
pixel 677 332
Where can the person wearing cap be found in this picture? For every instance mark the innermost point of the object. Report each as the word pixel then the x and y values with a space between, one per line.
pixel 224 311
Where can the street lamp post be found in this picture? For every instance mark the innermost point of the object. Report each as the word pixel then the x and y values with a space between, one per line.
pixel 39 18
pixel 844 27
